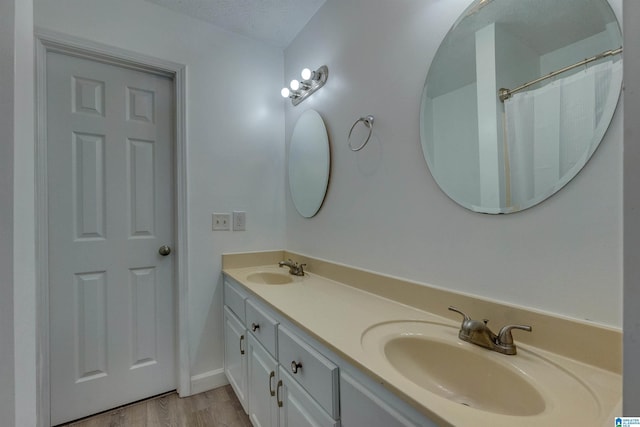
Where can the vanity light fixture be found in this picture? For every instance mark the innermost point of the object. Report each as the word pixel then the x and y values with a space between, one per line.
pixel 298 91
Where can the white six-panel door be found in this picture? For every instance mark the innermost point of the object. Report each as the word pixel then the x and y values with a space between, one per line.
pixel 110 192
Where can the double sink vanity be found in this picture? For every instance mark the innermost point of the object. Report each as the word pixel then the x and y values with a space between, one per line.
pixel 337 346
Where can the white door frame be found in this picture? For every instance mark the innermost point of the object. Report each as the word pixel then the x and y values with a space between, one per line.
pixel 48 41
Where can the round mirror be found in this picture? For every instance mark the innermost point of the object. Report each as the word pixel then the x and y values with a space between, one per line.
pixel 309 163
pixel 517 99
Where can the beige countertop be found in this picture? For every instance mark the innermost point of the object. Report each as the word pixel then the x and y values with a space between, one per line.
pixel 338 315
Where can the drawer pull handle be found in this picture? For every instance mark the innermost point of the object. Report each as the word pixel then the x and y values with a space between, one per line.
pixel 279 386
pixel 241 339
pixel 295 366
pixel 272 375
pixel 255 327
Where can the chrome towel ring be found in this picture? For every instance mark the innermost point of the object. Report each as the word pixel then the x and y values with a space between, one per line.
pixel 368 122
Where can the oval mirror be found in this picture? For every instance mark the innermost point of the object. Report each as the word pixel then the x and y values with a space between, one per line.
pixel 309 163
pixel 559 66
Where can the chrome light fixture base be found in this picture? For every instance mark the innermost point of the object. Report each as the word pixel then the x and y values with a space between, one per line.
pixel 308 87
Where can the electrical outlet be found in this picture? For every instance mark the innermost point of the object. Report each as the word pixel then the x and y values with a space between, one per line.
pixel 239 221
pixel 221 222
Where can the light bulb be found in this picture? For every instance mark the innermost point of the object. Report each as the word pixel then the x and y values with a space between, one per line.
pixel 285 92
pixel 295 85
pixel 306 74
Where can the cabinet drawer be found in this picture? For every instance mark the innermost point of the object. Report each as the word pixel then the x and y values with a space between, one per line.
pixel 261 325
pixel 234 298
pixel 312 370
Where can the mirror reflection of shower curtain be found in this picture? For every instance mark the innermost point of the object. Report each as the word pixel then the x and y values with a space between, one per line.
pixel 553 130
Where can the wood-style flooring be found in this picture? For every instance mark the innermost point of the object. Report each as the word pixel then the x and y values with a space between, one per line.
pixel 215 408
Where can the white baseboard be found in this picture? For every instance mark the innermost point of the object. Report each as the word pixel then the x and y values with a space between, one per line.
pixel 208 381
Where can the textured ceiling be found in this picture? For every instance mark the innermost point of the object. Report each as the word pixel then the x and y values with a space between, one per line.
pixel 276 22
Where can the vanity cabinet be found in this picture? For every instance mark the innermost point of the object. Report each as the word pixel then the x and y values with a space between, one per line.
pixel 276 398
pixel 260 370
pixel 297 388
pixel 284 378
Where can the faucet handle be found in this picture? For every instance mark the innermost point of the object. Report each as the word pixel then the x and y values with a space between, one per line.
pixel 452 308
pixel 505 337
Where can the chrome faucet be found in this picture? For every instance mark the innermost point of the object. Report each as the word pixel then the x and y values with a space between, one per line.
pixel 477 332
pixel 294 268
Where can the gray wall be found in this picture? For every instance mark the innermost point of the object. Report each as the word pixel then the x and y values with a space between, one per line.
pixel 7 401
pixel 384 212
pixel 631 405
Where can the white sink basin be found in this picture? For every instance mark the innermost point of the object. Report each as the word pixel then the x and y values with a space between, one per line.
pixel 270 278
pixel 432 359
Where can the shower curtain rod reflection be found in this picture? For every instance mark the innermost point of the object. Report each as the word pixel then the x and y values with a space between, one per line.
pixel 504 93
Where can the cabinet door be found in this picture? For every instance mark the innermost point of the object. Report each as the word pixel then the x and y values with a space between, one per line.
pixel 235 358
pixel 262 382
pixel 298 407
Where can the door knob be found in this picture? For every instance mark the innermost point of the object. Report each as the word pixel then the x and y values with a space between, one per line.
pixel 164 250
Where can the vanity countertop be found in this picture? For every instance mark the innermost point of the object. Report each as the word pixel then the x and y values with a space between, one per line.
pixel 338 315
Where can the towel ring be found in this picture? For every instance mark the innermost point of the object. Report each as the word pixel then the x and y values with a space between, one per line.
pixel 368 122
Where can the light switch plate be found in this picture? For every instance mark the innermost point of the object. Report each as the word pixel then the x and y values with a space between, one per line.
pixel 221 222
pixel 239 221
